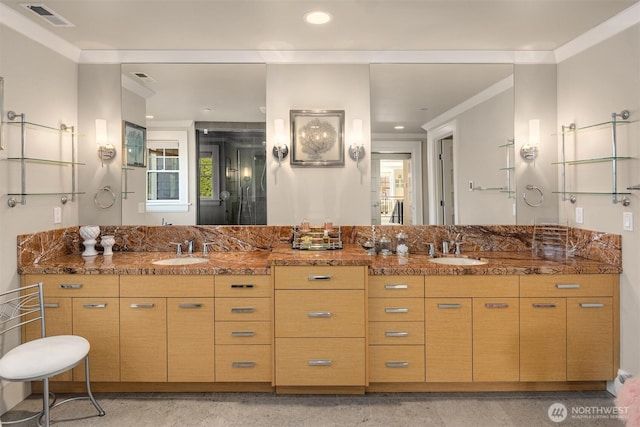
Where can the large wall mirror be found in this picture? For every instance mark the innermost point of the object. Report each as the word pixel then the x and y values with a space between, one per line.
pixel 463 112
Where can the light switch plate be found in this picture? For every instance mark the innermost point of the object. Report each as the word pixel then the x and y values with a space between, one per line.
pixel 142 207
pixel 579 215
pixel 57 215
pixel 627 221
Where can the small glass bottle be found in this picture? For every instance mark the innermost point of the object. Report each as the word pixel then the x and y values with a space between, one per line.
pixel 402 245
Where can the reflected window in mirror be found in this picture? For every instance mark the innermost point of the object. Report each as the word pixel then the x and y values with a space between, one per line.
pixel 167 176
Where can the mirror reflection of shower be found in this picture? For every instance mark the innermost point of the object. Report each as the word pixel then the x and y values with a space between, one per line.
pixel 231 173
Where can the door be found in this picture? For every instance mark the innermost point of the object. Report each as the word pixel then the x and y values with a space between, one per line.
pixel 446 215
pixel 391 197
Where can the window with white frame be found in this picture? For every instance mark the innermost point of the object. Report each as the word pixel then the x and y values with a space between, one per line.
pixel 167 174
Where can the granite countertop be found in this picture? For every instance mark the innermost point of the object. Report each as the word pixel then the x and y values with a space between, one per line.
pixel 260 262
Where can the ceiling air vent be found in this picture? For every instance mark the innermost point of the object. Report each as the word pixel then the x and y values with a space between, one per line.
pixel 143 76
pixel 48 14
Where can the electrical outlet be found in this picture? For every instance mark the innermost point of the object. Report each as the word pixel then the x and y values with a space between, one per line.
pixel 142 207
pixel 470 185
pixel 57 215
pixel 627 221
pixel 579 215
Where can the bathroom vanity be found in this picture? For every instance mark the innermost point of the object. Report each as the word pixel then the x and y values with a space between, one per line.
pixel 291 321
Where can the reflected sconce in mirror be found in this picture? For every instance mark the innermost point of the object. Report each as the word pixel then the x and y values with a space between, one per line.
pixel 280 149
pixel 529 151
pixel 356 149
pixel 106 151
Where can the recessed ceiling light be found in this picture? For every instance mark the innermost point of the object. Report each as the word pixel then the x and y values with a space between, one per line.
pixel 399 127
pixel 207 109
pixel 149 116
pixel 317 17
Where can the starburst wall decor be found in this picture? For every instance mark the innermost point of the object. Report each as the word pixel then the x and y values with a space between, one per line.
pixel 317 137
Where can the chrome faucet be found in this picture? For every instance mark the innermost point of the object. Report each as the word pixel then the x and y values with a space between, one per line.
pixel 457 252
pixel 189 243
pixel 432 249
pixel 178 247
pixel 445 247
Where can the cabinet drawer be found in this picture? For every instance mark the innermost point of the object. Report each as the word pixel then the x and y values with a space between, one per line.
pixel 401 363
pixel 166 286
pixel 320 361
pixel 240 309
pixel 243 286
pixel 243 333
pixel 396 309
pixel 568 285
pixel 243 363
pixel 320 277
pixel 396 333
pixel 75 285
pixel 396 286
pixel 336 313
pixel 471 286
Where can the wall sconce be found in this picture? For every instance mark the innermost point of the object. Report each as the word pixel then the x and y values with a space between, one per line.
pixel 106 151
pixel 356 149
pixel 280 149
pixel 246 174
pixel 529 151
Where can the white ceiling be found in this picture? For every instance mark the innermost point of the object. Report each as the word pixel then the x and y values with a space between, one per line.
pixel 397 28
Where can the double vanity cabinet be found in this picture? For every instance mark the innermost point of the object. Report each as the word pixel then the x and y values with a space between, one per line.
pixel 337 329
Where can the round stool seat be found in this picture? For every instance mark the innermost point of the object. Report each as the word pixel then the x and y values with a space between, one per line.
pixel 44 357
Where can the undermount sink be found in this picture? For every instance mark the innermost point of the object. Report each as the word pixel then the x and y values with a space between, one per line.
pixel 180 261
pixel 458 261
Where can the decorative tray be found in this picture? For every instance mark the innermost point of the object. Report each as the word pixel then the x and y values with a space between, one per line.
pixel 315 239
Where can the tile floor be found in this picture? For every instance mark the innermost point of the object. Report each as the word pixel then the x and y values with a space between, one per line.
pixel 378 409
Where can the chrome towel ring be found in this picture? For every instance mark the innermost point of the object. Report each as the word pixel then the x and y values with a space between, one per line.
pixel 539 202
pixel 104 198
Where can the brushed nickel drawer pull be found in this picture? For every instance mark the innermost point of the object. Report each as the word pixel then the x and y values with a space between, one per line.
pixel 242 309
pixel 591 305
pixel 313 277
pixel 95 305
pixel 190 305
pixel 567 286
pixel 243 364
pixel 396 364
pixel 143 305
pixel 243 333
pixel 70 285
pixel 396 334
pixel 544 305
pixel 449 305
pixel 496 305
pixel 396 310
pixel 316 314
pixel 51 305
pixel 241 286
pixel 391 286
pixel 319 362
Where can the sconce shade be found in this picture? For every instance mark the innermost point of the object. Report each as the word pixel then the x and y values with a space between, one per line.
pixel 534 132
pixel 280 149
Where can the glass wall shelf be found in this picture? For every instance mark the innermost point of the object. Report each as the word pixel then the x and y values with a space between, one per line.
pixel 45 161
pixel 594 160
pixel 31 125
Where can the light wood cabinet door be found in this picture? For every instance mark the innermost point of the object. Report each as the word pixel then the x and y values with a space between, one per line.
pixel 242 286
pixel 448 341
pixel 143 340
pixel 58 314
pixel 190 347
pixel 590 339
pixel 96 319
pixel 243 309
pixel 496 339
pixel 320 362
pixel 332 313
pixel 543 339
pixel 320 277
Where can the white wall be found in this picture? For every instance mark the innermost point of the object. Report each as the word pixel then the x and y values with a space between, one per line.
pixel 478 158
pixel 591 86
pixel 535 98
pixel 339 193
pixel 43 85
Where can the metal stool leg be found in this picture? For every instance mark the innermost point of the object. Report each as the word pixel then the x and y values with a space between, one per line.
pixel 93 400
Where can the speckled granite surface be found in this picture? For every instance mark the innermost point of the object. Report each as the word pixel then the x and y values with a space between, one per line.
pixel 254 249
